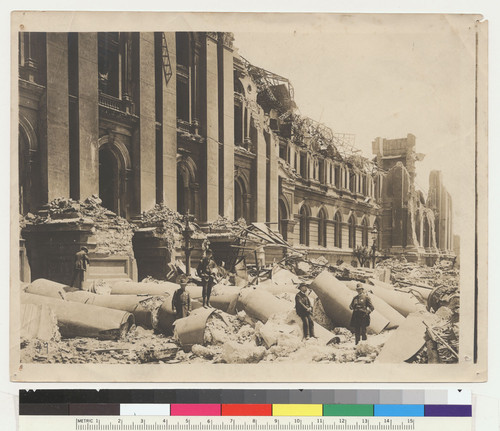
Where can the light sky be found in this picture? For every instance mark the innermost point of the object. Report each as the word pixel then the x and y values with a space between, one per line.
pixel 388 81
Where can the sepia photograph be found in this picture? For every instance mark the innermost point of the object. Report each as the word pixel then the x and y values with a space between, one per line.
pixel 248 197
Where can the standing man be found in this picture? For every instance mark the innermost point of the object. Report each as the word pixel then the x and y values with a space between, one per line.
pixel 304 310
pixel 206 271
pixel 81 263
pixel 361 307
pixel 181 301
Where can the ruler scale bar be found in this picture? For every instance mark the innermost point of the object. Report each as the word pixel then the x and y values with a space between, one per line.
pixel 188 423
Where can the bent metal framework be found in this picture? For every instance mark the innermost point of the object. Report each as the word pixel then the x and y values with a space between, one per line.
pixel 145 149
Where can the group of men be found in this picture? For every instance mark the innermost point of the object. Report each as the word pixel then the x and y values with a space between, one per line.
pixel 361 304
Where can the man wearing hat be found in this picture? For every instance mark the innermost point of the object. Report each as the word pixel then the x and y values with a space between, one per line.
pixel 206 271
pixel 361 307
pixel 181 301
pixel 81 262
pixel 304 310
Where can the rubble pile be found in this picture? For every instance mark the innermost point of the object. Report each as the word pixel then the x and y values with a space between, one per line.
pixel 404 274
pixel 112 234
pixel 225 225
pixel 138 346
pixel 258 322
pixel 441 283
pixel 167 224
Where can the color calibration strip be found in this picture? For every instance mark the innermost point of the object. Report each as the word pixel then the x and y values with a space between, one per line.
pixel 343 410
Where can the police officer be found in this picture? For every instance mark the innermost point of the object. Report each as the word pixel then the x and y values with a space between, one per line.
pixel 361 307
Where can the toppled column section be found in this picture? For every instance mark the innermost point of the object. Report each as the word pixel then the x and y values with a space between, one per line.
pixel 261 305
pixel 143 308
pixel 39 321
pixel 405 303
pixel 82 320
pixel 191 330
pixel 395 318
pixel 336 299
pixel 50 288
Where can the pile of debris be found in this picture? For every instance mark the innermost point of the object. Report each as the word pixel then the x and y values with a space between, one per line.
pixel 111 233
pixel 437 287
pixel 166 224
pixel 227 226
pixel 415 318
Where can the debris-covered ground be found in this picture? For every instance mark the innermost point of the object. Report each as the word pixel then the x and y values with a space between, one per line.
pixel 258 323
pixel 112 234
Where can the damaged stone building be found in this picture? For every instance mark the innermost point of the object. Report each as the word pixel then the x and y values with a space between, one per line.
pixel 184 120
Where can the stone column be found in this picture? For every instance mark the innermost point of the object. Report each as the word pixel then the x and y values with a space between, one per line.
pixel 273 182
pixel 212 128
pixel 145 168
pixel 260 177
pixel 228 109
pixel 170 128
pixel 88 118
pixel 54 145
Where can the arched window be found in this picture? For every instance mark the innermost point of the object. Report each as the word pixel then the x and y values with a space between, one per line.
pixel 337 223
pixel 364 233
pixel 322 228
pixel 304 225
pixel 352 232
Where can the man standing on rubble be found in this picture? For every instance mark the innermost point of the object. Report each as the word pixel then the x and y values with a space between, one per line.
pixel 81 263
pixel 361 307
pixel 304 310
pixel 206 271
pixel 181 301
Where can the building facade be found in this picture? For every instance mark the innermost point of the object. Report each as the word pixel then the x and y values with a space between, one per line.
pixel 184 120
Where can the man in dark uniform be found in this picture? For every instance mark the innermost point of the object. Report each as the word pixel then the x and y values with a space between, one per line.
pixel 81 263
pixel 181 301
pixel 304 310
pixel 361 307
pixel 206 271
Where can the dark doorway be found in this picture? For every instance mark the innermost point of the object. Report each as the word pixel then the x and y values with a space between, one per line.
pixel 108 180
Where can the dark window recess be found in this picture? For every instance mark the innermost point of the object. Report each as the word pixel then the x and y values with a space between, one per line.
pixel 238 126
pixel 267 138
pixel 109 63
pixel 337 222
pixel 321 173
pixel 283 152
pixel 303 166
pixel 274 124
pixel 182 100
pixel 352 233
pixel 352 183
pixel 182 48
pixel 73 64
